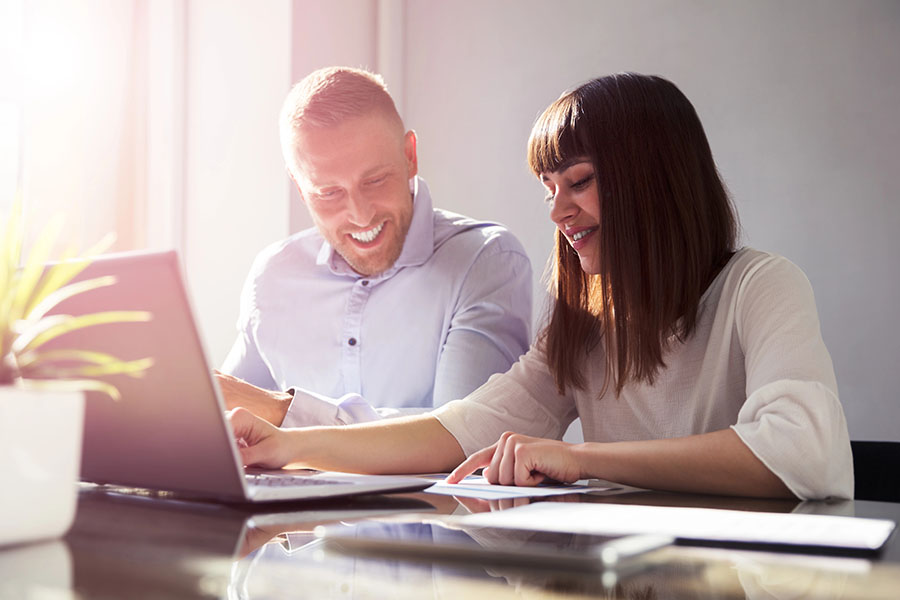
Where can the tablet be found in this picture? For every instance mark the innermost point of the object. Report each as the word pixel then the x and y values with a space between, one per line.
pixel 487 546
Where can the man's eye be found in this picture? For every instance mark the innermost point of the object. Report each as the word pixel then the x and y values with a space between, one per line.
pixel 376 180
pixel 326 194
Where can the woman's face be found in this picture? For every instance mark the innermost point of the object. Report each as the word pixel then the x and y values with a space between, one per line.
pixel 574 201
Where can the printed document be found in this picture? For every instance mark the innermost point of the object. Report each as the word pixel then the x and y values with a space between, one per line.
pixel 692 524
pixel 476 486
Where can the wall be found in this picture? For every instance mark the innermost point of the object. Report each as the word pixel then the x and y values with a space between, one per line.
pixel 241 61
pixel 327 33
pixel 799 100
pixel 236 193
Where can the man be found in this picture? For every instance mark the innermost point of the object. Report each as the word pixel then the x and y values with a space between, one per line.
pixel 387 306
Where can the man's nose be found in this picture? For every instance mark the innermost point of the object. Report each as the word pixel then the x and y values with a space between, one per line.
pixel 360 211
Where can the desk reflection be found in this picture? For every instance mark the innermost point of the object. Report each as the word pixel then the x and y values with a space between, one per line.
pixel 677 573
pixel 132 547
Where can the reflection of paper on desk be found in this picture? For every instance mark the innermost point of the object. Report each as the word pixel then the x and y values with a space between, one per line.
pixel 476 486
pixel 693 524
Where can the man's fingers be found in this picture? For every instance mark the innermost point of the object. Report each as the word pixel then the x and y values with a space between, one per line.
pixel 468 466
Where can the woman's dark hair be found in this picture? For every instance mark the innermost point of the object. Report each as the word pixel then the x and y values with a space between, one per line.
pixel 667 225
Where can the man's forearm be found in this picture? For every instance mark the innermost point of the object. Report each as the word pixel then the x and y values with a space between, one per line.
pixel 417 444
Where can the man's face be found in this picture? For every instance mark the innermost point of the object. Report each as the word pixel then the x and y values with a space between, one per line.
pixel 354 178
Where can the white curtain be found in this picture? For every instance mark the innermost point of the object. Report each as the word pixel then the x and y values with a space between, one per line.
pixel 11 13
pixel 83 108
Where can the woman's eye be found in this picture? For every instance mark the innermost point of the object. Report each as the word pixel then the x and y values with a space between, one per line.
pixel 549 198
pixel 582 183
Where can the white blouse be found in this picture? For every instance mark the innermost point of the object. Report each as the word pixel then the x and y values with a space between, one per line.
pixel 756 362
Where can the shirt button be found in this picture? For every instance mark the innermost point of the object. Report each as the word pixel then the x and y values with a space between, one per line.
pixel 365 282
pixel 352 341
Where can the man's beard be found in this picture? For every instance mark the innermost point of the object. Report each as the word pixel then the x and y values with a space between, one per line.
pixel 388 252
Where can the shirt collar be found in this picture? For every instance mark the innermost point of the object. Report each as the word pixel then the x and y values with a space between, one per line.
pixel 417 248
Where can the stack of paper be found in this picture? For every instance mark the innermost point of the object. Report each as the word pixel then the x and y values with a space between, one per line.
pixel 693 524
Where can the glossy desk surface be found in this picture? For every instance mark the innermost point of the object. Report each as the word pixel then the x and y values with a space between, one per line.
pixel 145 547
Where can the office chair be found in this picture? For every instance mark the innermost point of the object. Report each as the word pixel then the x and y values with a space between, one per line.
pixel 876 468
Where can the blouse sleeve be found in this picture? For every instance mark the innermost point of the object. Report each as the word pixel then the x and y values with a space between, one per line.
pixel 523 400
pixel 792 419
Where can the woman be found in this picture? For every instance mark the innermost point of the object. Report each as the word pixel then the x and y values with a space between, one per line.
pixel 693 366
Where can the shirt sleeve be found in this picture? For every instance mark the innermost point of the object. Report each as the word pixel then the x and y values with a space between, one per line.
pixel 309 408
pixel 523 400
pixel 244 359
pixel 490 326
pixel 792 419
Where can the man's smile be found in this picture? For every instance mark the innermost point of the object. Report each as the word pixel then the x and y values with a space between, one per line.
pixel 368 236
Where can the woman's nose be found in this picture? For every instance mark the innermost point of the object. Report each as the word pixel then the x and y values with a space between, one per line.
pixel 561 209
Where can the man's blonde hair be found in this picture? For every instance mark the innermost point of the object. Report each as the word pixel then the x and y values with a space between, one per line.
pixel 328 97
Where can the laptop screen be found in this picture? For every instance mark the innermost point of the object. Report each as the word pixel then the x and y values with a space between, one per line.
pixel 168 431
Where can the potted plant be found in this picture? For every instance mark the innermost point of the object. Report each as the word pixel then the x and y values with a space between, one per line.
pixel 42 391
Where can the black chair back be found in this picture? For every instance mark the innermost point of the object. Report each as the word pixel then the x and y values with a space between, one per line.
pixel 876 467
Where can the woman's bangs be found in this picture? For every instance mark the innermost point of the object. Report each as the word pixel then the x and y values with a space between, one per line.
pixel 553 138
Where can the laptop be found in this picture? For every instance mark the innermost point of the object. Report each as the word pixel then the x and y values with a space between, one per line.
pixel 169 431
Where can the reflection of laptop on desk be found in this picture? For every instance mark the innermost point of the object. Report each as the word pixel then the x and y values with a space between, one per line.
pixel 128 546
pixel 169 432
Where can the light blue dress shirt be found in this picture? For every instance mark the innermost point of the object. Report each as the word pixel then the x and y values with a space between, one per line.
pixel 453 310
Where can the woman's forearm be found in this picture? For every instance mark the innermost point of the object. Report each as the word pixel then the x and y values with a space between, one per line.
pixel 416 444
pixel 715 463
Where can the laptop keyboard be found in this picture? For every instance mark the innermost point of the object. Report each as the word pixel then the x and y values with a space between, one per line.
pixel 265 480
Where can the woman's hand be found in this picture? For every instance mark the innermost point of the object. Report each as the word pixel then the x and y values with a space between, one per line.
pixel 522 460
pixel 260 443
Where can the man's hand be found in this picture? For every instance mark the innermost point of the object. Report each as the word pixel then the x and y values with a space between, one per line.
pixel 522 460
pixel 269 405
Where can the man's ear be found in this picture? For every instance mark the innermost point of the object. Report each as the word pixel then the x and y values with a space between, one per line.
pixel 296 185
pixel 409 148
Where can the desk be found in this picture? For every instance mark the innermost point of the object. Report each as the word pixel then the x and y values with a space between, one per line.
pixel 133 547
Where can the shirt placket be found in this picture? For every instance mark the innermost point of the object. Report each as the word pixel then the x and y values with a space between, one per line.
pixel 351 340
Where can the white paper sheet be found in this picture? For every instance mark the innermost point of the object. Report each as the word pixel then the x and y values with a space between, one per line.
pixel 692 523
pixel 476 486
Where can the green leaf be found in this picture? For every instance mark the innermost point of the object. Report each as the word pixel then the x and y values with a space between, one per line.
pixel 134 368
pixel 34 268
pixel 64 293
pixel 35 357
pixel 28 292
pixel 73 385
pixel 58 275
pixel 54 326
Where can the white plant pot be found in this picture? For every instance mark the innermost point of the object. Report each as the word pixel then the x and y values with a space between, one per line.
pixel 40 458
pixel 42 570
